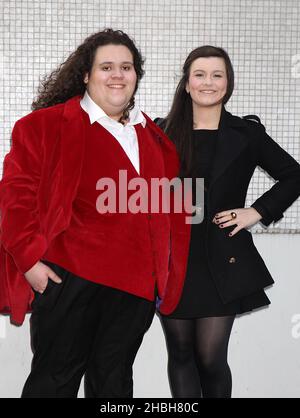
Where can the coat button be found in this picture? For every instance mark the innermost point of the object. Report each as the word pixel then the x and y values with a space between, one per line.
pixel 153 273
pixel 232 260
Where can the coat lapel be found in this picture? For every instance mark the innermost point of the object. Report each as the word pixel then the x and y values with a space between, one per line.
pixel 231 141
pixel 168 149
pixel 72 151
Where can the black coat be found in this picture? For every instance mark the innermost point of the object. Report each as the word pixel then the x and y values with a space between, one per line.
pixel 243 144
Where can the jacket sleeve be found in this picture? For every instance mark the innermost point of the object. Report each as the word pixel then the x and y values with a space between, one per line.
pixel 285 170
pixel 20 232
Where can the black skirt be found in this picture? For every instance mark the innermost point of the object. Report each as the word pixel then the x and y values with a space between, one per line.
pixel 200 297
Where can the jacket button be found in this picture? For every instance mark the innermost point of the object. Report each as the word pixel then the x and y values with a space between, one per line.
pixel 232 260
pixel 153 273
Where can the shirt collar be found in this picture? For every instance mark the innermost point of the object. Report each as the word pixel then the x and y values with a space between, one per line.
pixel 96 113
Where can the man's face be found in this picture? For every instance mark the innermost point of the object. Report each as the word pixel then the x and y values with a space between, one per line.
pixel 112 79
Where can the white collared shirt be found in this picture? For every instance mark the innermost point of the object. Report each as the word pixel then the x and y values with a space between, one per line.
pixel 125 135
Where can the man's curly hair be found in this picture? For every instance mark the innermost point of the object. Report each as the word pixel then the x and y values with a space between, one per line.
pixel 68 79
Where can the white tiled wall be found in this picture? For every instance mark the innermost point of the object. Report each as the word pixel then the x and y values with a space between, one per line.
pixel 261 36
pixel 263 39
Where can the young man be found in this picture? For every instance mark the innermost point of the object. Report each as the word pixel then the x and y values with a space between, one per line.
pixel 89 277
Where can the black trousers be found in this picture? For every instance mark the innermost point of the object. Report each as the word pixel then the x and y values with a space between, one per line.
pixel 79 327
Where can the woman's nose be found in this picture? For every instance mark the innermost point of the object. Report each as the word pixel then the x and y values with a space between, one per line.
pixel 207 81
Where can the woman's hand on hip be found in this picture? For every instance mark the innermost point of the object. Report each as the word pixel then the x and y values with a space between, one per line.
pixel 242 218
pixel 39 275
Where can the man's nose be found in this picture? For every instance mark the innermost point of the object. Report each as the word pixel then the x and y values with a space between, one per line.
pixel 117 73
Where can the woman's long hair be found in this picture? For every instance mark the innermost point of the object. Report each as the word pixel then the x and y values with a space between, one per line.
pixel 68 79
pixel 179 122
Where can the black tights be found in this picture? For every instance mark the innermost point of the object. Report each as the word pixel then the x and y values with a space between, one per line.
pixel 197 350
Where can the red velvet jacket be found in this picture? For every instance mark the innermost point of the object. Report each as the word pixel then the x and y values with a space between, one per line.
pixel 40 180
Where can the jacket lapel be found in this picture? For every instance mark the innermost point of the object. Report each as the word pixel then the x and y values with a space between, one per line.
pixel 231 141
pixel 72 151
pixel 168 149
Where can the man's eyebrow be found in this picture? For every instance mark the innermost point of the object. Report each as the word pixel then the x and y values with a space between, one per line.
pixel 111 62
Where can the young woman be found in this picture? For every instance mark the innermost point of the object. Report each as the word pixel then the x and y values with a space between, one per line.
pixel 225 275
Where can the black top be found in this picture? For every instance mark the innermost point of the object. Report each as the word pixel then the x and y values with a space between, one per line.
pixel 204 146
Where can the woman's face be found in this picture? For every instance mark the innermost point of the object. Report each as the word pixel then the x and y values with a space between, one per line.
pixel 112 80
pixel 207 82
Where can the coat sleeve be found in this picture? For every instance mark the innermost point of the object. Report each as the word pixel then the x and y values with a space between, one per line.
pixel 285 170
pixel 20 231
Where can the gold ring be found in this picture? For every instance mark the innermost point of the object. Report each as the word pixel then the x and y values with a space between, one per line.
pixel 233 215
